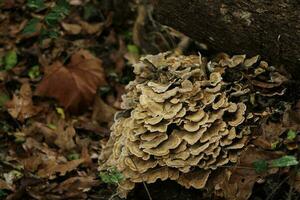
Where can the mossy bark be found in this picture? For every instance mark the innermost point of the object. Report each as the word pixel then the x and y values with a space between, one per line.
pixel 268 28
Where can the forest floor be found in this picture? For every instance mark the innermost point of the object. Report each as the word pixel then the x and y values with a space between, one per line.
pixel 63 68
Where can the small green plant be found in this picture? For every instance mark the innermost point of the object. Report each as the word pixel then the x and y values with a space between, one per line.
pixel 34 72
pixel 61 112
pixel 36 4
pixel 10 60
pixel 291 135
pixel 133 49
pixel 50 23
pixel 31 26
pixel 261 166
pixel 284 161
pixel 73 156
pixel 274 145
pixel 111 176
pixel 52 126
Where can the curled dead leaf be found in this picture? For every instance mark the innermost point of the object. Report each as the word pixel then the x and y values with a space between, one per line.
pixel 91 29
pixel 75 84
pixel 72 29
pixel 21 106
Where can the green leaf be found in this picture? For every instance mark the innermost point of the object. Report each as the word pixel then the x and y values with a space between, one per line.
pixel 133 49
pixel 36 4
pixel 31 26
pixel 45 34
pixel 3 99
pixel 291 135
pixel 111 176
pixel 62 6
pixel 53 34
pixel 58 12
pixel 10 60
pixel 274 145
pixel 34 72
pixel 52 18
pixel 73 156
pixel 284 161
pixel 51 126
pixel 61 112
pixel 260 166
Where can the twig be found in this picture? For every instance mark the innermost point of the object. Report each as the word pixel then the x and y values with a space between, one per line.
pixel 145 186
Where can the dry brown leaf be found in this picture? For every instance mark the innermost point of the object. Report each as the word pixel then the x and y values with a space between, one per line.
pixel 76 2
pixel 85 155
pixel 95 28
pixel 83 27
pixel 291 118
pixel 103 112
pixel 269 134
pixel 75 85
pixel 32 163
pixel 64 139
pixel 21 106
pixel 236 183
pixel 53 167
pixel 72 29
pixel 32 145
pixel 77 184
pixel 41 129
pixel 5 186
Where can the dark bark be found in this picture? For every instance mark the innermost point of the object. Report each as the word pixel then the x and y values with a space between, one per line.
pixel 268 28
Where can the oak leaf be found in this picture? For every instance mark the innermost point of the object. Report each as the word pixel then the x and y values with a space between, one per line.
pixel 21 106
pixel 75 84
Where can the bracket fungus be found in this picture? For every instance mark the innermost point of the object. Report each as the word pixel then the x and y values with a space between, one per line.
pixel 184 117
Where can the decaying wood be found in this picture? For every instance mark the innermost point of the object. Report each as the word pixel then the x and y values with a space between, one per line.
pixel 268 28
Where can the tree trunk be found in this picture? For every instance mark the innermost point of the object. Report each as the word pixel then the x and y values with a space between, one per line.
pixel 268 28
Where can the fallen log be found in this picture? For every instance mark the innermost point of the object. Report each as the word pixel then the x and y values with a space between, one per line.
pixel 268 28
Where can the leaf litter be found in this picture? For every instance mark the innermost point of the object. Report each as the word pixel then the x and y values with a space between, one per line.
pixel 46 153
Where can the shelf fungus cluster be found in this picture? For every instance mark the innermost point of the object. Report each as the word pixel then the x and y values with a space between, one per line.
pixel 184 117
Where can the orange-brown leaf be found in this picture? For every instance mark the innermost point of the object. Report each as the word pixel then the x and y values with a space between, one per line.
pixel 75 84
pixel 21 106
pixel 53 167
pixel 4 185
